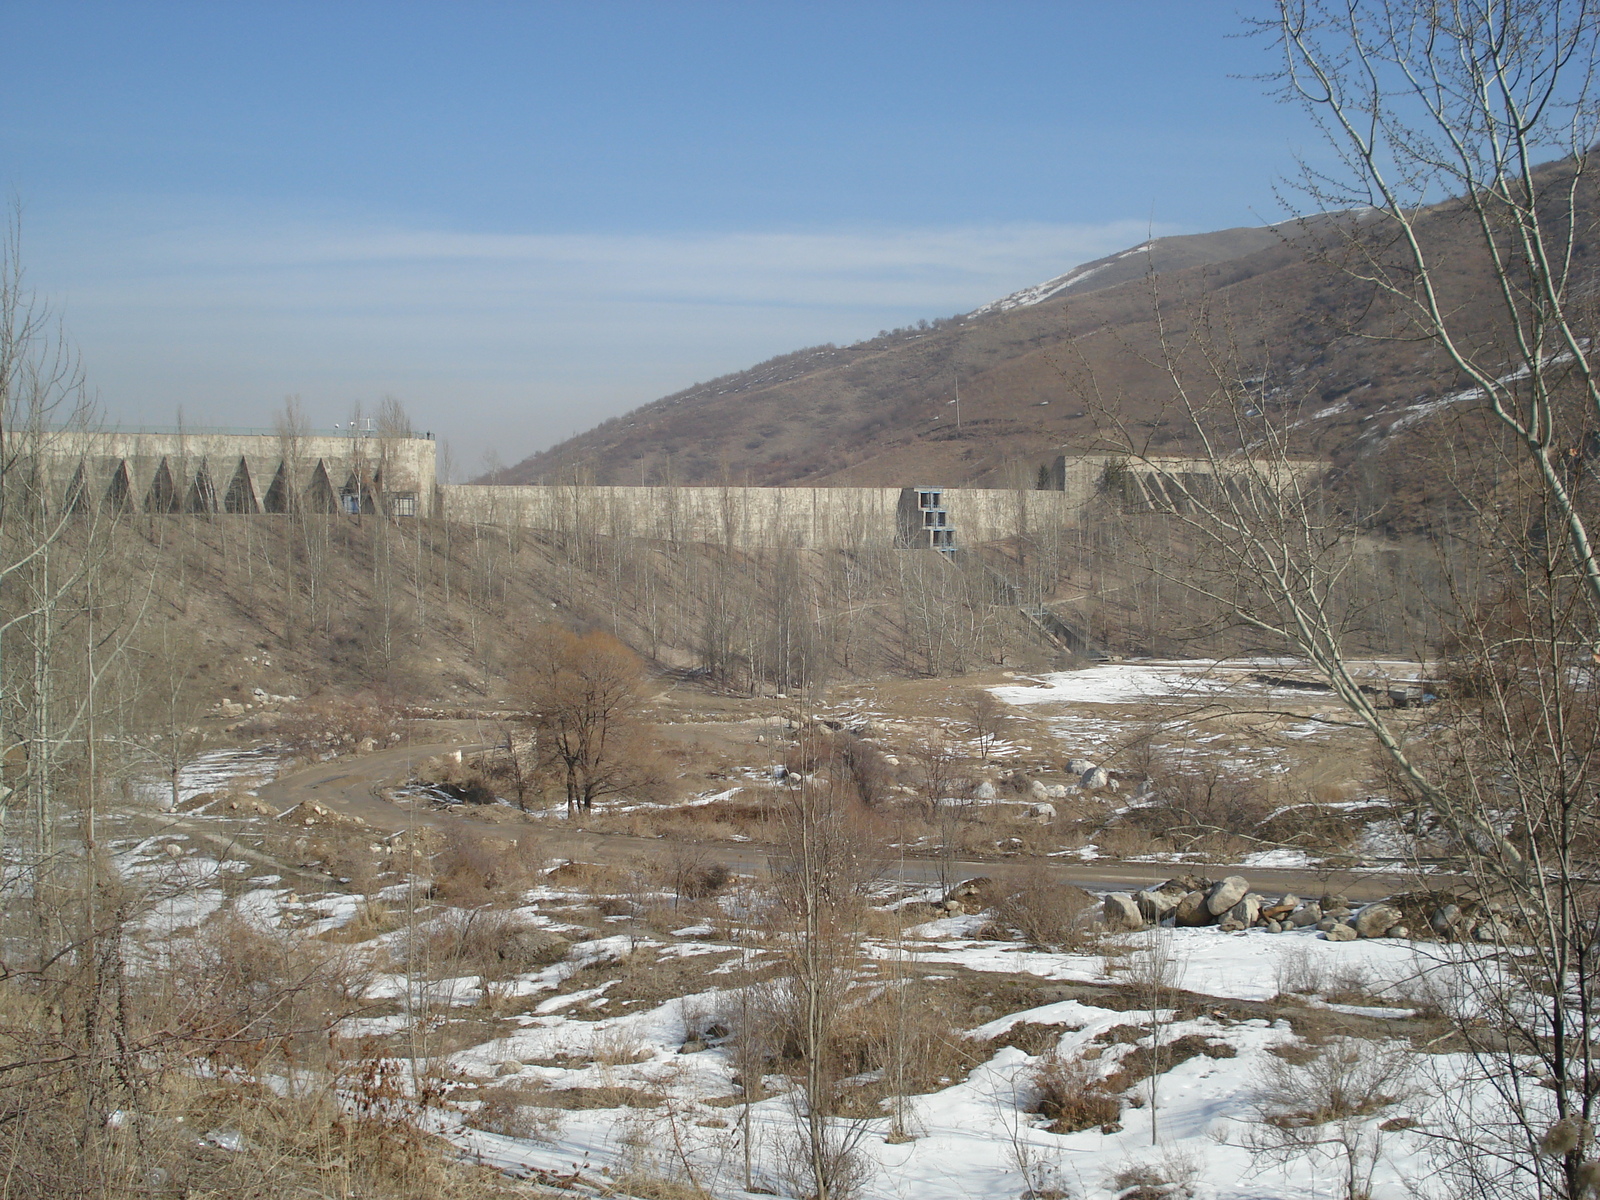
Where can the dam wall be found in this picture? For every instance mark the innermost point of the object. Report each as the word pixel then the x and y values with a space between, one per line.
pixel 249 473
pixel 751 517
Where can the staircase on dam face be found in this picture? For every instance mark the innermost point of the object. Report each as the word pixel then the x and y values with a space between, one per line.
pixel 1046 622
pixel 1060 632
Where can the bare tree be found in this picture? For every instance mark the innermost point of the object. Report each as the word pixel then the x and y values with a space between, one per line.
pixel 584 694
pixel 1454 234
pixel 823 873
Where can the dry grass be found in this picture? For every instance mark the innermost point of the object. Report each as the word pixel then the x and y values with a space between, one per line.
pixel 611 1096
pixel 473 869
pixel 904 1041
pixel 486 942
pixel 1069 1092
pixel 373 919
pixel 1044 911
pixel 515 1110
pixel 1143 1061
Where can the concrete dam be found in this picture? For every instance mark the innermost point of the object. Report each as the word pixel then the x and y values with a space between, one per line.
pixel 249 474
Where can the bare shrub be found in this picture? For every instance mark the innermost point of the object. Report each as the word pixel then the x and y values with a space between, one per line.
pixel 473 869
pixel 1300 972
pixel 984 716
pixel 693 874
pixel 373 918
pixel 616 1046
pixel 835 1156
pixel 863 767
pixel 1172 1175
pixel 485 942
pixel 1070 1093
pixel 1201 801
pixel 1043 910
pixel 241 994
pixel 1328 1106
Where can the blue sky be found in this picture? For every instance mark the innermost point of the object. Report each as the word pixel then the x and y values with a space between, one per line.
pixel 521 218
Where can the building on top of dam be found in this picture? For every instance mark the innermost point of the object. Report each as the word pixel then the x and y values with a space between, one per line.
pixel 204 471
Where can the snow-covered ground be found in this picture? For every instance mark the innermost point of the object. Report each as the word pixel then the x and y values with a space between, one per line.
pixel 973 1138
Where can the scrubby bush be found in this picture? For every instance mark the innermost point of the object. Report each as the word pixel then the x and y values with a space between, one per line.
pixel 485 942
pixel 1071 1095
pixel 1043 910
pixel 472 869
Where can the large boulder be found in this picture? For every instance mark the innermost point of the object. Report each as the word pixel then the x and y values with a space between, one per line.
pixel 1042 813
pixel 1192 910
pixel 1121 913
pixel 985 791
pixel 1340 932
pixel 1037 791
pixel 1306 914
pixel 1154 903
pixel 1375 920
pixel 1446 920
pixel 1079 766
pixel 1094 779
pixel 1225 893
pixel 1246 911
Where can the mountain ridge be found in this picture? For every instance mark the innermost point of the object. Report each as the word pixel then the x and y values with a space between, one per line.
pixel 1058 364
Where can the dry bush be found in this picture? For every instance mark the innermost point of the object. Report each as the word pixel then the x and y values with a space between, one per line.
pixel 1043 910
pixel 984 717
pixel 484 942
pixel 1069 1093
pixel 1172 1176
pixel 1302 973
pixel 473 869
pixel 373 919
pixel 905 1043
pixel 1326 1106
pixel 1200 804
pixel 862 767
pixel 618 1046
pixel 1315 826
pixel 242 995
pixel 691 873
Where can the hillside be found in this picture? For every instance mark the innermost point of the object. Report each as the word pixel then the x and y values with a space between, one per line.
pixel 1054 365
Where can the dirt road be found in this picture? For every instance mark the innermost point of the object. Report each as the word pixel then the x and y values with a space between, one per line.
pixel 354 785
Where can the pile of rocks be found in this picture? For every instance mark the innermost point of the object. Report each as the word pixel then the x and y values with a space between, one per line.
pixel 1230 905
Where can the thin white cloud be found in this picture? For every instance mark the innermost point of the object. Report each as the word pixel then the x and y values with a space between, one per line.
pixel 514 339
